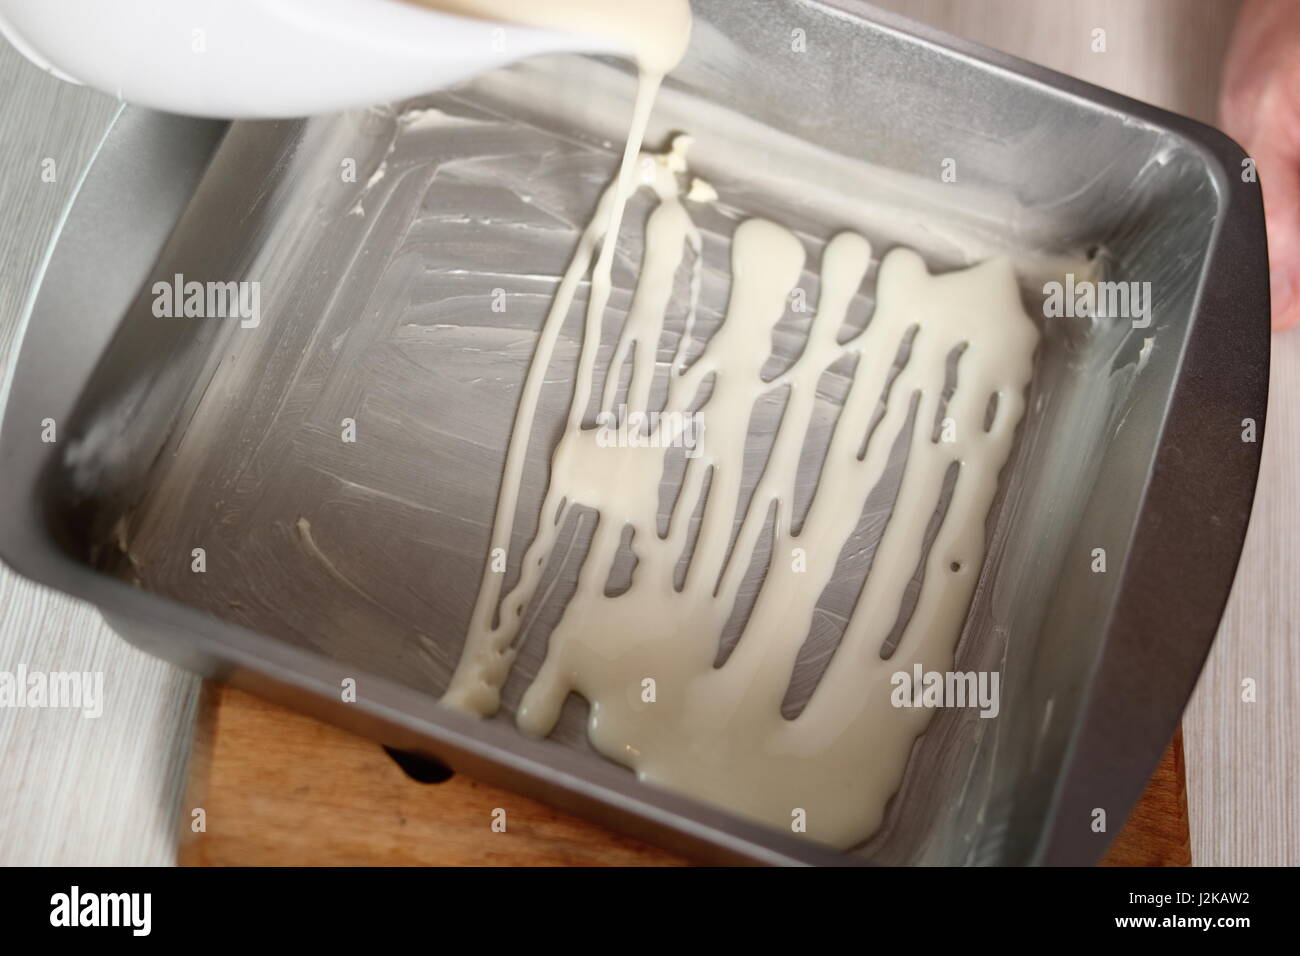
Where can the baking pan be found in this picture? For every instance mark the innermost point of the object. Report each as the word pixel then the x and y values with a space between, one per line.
pixel 376 238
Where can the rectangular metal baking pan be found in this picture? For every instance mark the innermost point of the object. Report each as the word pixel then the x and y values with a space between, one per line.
pixel 173 431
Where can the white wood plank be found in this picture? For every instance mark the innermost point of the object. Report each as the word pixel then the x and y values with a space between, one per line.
pixel 73 790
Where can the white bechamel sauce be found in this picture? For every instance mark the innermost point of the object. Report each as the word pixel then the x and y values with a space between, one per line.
pixel 718 733
pixel 658 32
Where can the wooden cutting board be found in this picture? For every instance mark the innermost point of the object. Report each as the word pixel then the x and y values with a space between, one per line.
pixel 279 788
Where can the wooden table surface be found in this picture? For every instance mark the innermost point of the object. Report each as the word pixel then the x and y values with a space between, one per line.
pixel 270 787
pixel 110 790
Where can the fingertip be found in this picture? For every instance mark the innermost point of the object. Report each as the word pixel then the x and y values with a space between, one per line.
pixel 1285 302
pixel 1286 319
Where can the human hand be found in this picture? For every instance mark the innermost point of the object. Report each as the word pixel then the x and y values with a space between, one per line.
pixel 1260 108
